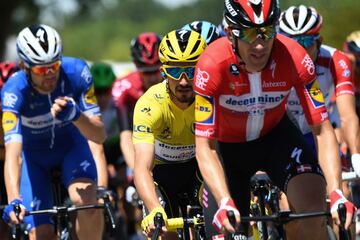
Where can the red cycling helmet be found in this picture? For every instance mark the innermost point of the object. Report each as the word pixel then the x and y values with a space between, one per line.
pixel 144 51
pixel 6 70
pixel 240 14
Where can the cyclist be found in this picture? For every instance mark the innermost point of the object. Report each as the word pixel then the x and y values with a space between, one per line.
pixel 49 110
pixel 163 132
pixel 242 86
pixel 352 49
pixel 126 91
pixel 6 70
pixel 207 30
pixel 103 77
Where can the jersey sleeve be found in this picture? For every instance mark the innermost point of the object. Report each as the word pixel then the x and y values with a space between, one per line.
pixel 207 78
pixel 147 118
pixel 308 90
pixel 341 69
pixel 123 110
pixel 87 101
pixel 12 102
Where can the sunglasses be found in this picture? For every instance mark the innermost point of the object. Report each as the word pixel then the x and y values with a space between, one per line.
pixel 354 48
pixel 42 70
pixel 250 35
pixel 307 40
pixel 177 72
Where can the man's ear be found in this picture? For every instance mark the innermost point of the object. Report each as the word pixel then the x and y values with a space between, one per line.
pixel 22 65
pixel 162 73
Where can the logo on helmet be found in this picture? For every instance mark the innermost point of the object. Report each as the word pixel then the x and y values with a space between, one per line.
pixel 230 8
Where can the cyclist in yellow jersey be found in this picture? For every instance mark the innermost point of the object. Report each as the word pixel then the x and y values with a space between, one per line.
pixel 163 133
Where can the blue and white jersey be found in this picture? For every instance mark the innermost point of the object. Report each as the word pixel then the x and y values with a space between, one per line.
pixel 26 112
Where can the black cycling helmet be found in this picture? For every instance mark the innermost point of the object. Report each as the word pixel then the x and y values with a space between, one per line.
pixel 240 14
pixel 144 51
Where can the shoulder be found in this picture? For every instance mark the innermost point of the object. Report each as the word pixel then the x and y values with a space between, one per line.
pixel 17 83
pixel 76 69
pixel 156 95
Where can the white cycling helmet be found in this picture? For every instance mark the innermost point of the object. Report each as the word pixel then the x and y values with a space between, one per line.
pixel 300 20
pixel 39 45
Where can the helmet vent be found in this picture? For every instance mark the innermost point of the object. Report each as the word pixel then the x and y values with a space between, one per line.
pixel 257 9
pixel 170 47
pixel 33 49
pixel 195 46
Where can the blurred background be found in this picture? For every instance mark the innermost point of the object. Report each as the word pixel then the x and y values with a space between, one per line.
pixel 102 29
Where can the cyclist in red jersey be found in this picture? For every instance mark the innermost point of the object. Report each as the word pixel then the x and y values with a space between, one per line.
pixel 352 48
pixel 6 70
pixel 242 87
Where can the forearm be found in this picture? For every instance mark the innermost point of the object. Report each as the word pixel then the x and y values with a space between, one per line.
pixel 127 148
pixel 145 187
pixel 328 155
pixel 210 166
pixel 351 133
pixel 97 151
pixel 12 172
pixel 91 128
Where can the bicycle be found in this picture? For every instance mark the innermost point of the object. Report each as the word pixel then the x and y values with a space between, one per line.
pixel 62 211
pixel 174 224
pixel 61 214
pixel 268 196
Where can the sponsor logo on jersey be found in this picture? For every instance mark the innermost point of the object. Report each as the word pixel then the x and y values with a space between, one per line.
pixel 142 128
pixel 308 64
pixel 234 70
pixel 205 133
pixel 86 75
pixel 346 73
pixel 169 152
pixel 146 110
pixel 9 99
pixel 90 97
pixel 9 121
pixel 201 78
pixel 273 84
pixel 204 109
pixel 315 94
pixel 234 85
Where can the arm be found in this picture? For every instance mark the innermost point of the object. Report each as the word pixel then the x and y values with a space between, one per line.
pixel 349 121
pixel 12 169
pixel 210 166
pixel 97 151
pixel 92 128
pixel 328 154
pixel 127 148
pixel 144 182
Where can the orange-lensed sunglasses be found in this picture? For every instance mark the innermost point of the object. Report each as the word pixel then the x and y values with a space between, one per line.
pixel 42 70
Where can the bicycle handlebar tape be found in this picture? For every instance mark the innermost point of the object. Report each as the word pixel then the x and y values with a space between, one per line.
pixel 175 223
pixel 343 233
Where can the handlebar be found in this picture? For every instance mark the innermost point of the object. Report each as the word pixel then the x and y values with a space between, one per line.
pixel 349 176
pixel 343 233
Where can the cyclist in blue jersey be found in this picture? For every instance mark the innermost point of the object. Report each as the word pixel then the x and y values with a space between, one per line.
pixel 49 113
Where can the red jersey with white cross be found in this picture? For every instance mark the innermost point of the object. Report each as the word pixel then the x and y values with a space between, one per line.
pixel 334 74
pixel 233 105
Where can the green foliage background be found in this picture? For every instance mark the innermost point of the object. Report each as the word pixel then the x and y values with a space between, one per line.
pixel 107 34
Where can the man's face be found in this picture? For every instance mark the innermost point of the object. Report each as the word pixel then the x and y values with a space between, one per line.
pixel 254 46
pixel 45 77
pixel 150 78
pixel 181 80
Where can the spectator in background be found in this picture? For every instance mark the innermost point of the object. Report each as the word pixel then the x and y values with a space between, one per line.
pixel 6 70
pixel 126 91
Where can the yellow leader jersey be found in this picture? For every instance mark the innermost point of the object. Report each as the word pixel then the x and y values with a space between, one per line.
pixel 157 120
